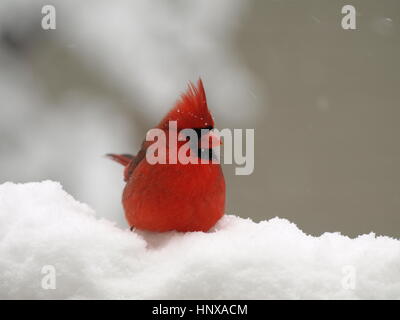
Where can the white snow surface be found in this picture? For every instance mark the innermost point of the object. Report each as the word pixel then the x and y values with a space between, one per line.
pixel 40 224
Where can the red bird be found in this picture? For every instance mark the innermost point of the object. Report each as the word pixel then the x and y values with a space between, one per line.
pixel 183 197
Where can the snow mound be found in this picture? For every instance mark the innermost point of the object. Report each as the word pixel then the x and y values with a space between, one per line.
pixel 41 225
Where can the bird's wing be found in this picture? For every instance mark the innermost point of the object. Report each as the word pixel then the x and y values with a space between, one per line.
pixel 129 161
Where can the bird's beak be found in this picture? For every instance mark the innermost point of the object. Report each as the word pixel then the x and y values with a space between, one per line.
pixel 210 140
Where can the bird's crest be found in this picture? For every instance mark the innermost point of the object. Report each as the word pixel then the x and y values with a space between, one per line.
pixel 191 111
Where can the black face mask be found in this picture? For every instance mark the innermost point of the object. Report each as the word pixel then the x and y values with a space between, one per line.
pixel 206 154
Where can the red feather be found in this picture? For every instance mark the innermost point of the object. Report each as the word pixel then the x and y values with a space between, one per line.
pixel 191 111
pixel 165 197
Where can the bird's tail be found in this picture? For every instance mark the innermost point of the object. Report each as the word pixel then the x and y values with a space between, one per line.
pixel 123 159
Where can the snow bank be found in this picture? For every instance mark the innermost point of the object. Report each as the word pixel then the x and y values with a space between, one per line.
pixel 40 224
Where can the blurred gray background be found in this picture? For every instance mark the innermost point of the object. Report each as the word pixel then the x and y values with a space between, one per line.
pixel 324 101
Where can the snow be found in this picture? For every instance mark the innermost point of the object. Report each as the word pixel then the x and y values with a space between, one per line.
pixel 41 225
pixel 110 71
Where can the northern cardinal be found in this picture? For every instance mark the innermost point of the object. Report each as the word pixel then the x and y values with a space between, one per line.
pixel 182 197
